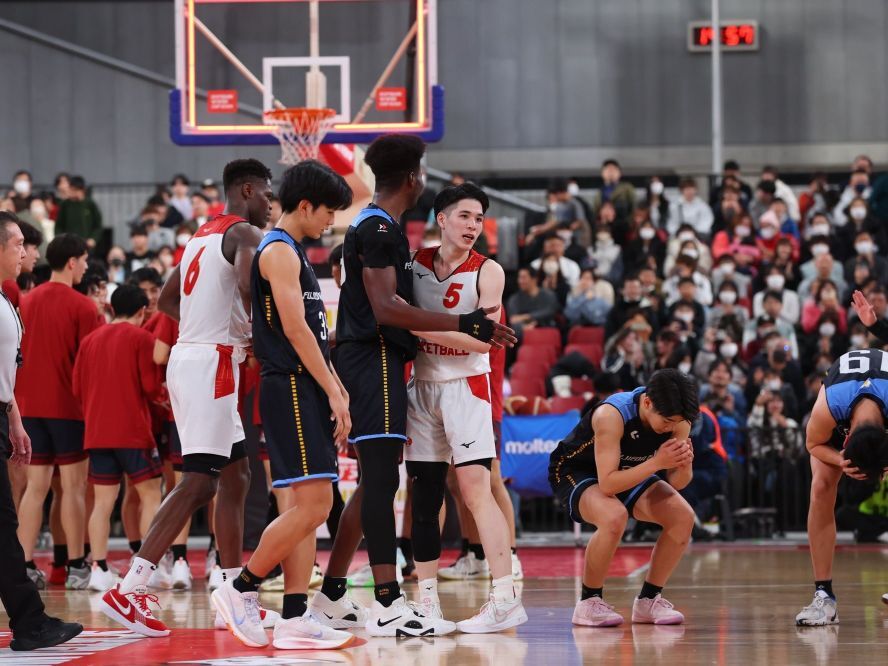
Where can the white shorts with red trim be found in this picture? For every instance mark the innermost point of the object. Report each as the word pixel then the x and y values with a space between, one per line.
pixel 202 381
pixel 450 421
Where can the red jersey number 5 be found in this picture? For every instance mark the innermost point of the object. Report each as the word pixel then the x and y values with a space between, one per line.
pixel 451 298
pixel 192 273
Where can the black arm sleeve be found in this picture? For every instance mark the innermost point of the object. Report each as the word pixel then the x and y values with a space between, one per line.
pixel 880 330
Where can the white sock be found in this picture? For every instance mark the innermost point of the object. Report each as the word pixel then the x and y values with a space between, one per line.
pixel 504 589
pixel 138 575
pixel 231 574
pixel 428 590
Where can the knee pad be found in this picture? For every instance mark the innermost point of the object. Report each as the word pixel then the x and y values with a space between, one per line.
pixel 204 463
pixel 428 489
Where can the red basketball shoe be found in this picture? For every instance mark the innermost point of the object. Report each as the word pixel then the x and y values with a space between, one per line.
pixel 132 611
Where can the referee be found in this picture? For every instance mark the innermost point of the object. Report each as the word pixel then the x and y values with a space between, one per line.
pixel 31 627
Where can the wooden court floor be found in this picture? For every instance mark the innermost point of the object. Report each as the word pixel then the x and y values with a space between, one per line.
pixel 740 602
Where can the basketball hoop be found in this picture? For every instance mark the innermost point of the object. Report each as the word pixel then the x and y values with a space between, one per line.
pixel 300 131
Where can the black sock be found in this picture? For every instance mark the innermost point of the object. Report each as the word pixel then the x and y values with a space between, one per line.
pixel 478 550
pixel 274 573
pixel 103 564
pixel 86 550
pixel 77 563
pixel 295 605
pixel 212 543
pixel 334 588
pixel 826 586
pixel 31 564
pixel 514 551
pixel 180 551
pixel 649 591
pixel 589 592
pixel 387 593
pixel 247 581
pixel 135 546
pixel 464 547
pixel 406 546
pixel 60 555
pixel 218 559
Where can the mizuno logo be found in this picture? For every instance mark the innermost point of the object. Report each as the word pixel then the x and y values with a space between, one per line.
pixel 421 275
pixel 468 444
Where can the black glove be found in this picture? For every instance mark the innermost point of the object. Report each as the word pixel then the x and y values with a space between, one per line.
pixel 477 325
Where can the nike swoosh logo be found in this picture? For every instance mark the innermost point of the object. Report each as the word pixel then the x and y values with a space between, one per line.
pixel 127 610
pixel 329 617
pixel 382 624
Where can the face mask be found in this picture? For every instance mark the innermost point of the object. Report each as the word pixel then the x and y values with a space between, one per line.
pixel 182 239
pixel 22 187
pixel 39 212
pixel 727 269
pixel 685 316
pixel 684 367
pixel 820 230
pixel 685 236
pixel 690 252
pixel 656 188
pixel 742 231
pixel 768 233
pixel 550 267
pixel 827 329
pixel 858 341
pixel 604 239
pixel 775 282
pixel 553 207
pixel 573 189
pixel 828 295
pixel 647 233
pixel 773 384
pixel 728 297
pixel 817 250
pixel 728 349
pixel 864 247
pixel 858 213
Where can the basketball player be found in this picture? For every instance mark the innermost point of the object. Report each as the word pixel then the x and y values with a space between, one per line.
pixel 850 413
pixel 373 343
pixel 449 415
pixel 606 470
pixel 212 303
pixel 299 396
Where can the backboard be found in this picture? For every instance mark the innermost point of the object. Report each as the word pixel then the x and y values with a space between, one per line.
pixel 373 61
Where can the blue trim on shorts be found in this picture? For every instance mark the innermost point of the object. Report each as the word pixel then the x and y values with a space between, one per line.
pixel 382 436
pixel 581 486
pixel 283 483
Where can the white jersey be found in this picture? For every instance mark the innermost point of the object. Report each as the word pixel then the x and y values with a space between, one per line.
pixel 211 310
pixel 458 293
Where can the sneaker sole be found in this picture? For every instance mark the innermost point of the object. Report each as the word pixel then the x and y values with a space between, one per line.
pixel 668 621
pixel 817 623
pixel 181 585
pixel 400 632
pixel 222 609
pixel 311 643
pixel 336 624
pixel 510 623
pixel 580 622
pixel 136 627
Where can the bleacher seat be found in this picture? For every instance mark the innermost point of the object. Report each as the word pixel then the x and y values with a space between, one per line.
pixel 592 352
pixel 317 255
pixel 545 354
pixel 529 370
pixel 579 386
pixel 528 387
pixel 546 336
pixel 560 405
pixel 586 335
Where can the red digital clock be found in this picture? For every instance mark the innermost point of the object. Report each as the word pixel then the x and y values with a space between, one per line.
pixel 735 36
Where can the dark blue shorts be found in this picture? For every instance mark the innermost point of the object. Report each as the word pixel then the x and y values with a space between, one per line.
pixel 174 446
pixel 55 441
pixel 107 466
pixel 573 484
pixel 298 430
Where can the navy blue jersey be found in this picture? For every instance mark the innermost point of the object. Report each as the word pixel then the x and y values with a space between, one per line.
pixel 577 450
pixel 858 374
pixel 374 240
pixel 270 344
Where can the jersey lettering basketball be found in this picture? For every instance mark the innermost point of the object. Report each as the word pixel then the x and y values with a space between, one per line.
pixel 638 443
pixel 858 374
pixel 270 344
pixel 455 294
pixel 211 310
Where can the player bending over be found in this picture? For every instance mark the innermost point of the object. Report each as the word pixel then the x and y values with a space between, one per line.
pixel 608 469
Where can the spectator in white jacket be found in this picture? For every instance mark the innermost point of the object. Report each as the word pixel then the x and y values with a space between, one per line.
pixel 690 209
pixel 553 246
pixel 782 191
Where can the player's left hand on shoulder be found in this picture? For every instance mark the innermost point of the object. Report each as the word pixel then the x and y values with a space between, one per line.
pixel 852 471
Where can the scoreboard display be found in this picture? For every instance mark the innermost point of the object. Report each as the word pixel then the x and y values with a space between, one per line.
pixel 735 36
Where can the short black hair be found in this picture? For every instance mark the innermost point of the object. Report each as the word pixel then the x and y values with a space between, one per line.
pixel 731 165
pixel 687 280
pixel 674 393
pixel 316 183
pixel 767 186
pixel 455 193
pixel 867 449
pixel 557 185
pixel 200 195
pixel 138 230
pixel 610 161
pixel 127 300
pixel 335 255
pixel 145 274
pixel 392 157
pixel 180 177
pixel 156 200
pixel 23 172
pixel 77 182
pixel 32 234
pixel 64 247
pixel 238 172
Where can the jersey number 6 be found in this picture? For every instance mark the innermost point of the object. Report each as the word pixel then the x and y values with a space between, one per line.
pixel 859 361
pixel 451 297
pixel 192 273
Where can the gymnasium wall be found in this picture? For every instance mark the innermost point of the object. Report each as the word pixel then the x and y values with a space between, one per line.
pixel 531 86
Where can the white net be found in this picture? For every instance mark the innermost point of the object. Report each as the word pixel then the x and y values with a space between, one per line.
pixel 300 131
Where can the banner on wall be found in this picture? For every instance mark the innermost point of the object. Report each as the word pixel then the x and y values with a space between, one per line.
pixel 528 441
